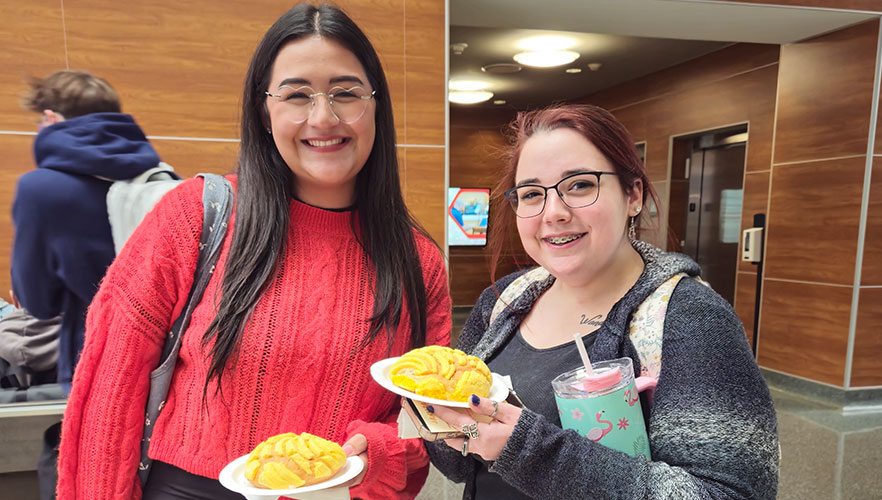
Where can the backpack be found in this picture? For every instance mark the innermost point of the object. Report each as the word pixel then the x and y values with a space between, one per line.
pixel 128 201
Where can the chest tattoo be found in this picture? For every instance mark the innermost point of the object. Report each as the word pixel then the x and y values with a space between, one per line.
pixel 595 321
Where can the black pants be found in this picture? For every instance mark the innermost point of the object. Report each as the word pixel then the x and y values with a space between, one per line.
pixel 47 464
pixel 167 482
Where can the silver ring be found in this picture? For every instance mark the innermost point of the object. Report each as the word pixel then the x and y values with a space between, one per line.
pixel 495 408
pixel 465 447
pixel 470 430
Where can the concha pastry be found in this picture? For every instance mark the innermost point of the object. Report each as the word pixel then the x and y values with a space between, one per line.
pixel 441 373
pixel 291 461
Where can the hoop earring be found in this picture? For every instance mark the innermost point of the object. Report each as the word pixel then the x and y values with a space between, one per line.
pixel 632 229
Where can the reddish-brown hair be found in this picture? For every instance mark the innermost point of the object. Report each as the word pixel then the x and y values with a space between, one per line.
pixel 598 126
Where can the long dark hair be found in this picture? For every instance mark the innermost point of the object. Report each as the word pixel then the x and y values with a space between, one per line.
pixel 265 189
pixel 594 123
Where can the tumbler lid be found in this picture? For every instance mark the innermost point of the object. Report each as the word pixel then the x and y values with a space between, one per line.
pixel 602 380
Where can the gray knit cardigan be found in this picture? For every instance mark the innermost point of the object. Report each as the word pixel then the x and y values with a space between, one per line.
pixel 712 426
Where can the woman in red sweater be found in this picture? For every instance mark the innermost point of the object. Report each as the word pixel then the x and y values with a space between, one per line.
pixel 323 272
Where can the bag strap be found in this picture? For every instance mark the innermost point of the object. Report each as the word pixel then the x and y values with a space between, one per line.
pixel 646 327
pixel 217 202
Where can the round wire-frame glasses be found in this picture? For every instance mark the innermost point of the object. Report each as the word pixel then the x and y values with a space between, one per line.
pixel 346 104
pixel 575 190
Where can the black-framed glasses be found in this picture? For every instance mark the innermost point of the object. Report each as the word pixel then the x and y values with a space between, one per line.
pixel 576 191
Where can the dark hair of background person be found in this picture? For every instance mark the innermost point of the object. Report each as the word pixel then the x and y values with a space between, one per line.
pixel 265 188
pixel 595 124
pixel 72 93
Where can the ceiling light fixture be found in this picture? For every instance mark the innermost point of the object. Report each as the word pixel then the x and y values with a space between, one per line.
pixel 475 97
pixel 547 42
pixel 501 68
pixel 546 58
pixel 458 48
pixel 468 85
pixel 594 66
pixel 574 70
pixel 499 101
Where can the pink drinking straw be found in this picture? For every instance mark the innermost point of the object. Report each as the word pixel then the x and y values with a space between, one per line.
pixel 584 354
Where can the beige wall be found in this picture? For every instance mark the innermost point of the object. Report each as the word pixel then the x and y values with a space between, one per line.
pixel 179 67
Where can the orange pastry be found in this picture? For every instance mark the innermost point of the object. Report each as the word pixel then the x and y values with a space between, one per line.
pixel 290 461
pixel 441 373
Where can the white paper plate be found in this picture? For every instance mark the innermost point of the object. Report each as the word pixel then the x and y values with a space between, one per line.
pixel 232 477
pixel 380 373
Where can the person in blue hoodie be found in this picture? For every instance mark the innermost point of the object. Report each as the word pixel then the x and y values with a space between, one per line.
pixel 63 241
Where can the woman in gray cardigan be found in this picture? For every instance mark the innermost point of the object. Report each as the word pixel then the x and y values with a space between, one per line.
pixel 577 187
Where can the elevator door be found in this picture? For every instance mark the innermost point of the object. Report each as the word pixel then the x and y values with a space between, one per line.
pixel 713 214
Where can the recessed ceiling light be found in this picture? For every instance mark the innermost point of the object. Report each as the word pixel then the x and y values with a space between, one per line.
pixel 574 70
pixel 475 97
pixel 594 66
pixel 501 68
pixel 547 42
pixel 546 58
pixel 468 85
pixel 458 48
pixel 499 101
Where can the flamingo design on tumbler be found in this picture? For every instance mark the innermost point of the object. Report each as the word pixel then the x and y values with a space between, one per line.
pixel 596 434
pixel 628 397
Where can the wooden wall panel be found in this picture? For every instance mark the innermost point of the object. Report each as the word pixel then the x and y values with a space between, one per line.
pixel 33 45
pixel 813 221
pixel 745 302
pixel 178 68
pixel 383 22
pixel 871 271
pixel 424 195
pixel 191 157
pixel 756 197
pixel 868 340
pixel 839 66
pixel 804 330
pixel 424 63
pixel 716 66
pixel 738 98
pixel 17 159
pixel 475 157
pixel 747 97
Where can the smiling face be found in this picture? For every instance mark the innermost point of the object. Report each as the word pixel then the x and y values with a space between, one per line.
pixel 324 153
pixel 574 244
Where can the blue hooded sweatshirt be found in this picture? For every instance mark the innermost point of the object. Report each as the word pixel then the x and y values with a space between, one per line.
pixel 63 242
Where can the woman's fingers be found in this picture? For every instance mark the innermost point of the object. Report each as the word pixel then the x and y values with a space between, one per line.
pixel 356 446
pixel 501 411
pixel 486 439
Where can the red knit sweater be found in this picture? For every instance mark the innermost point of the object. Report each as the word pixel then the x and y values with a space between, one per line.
pixel 298 368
